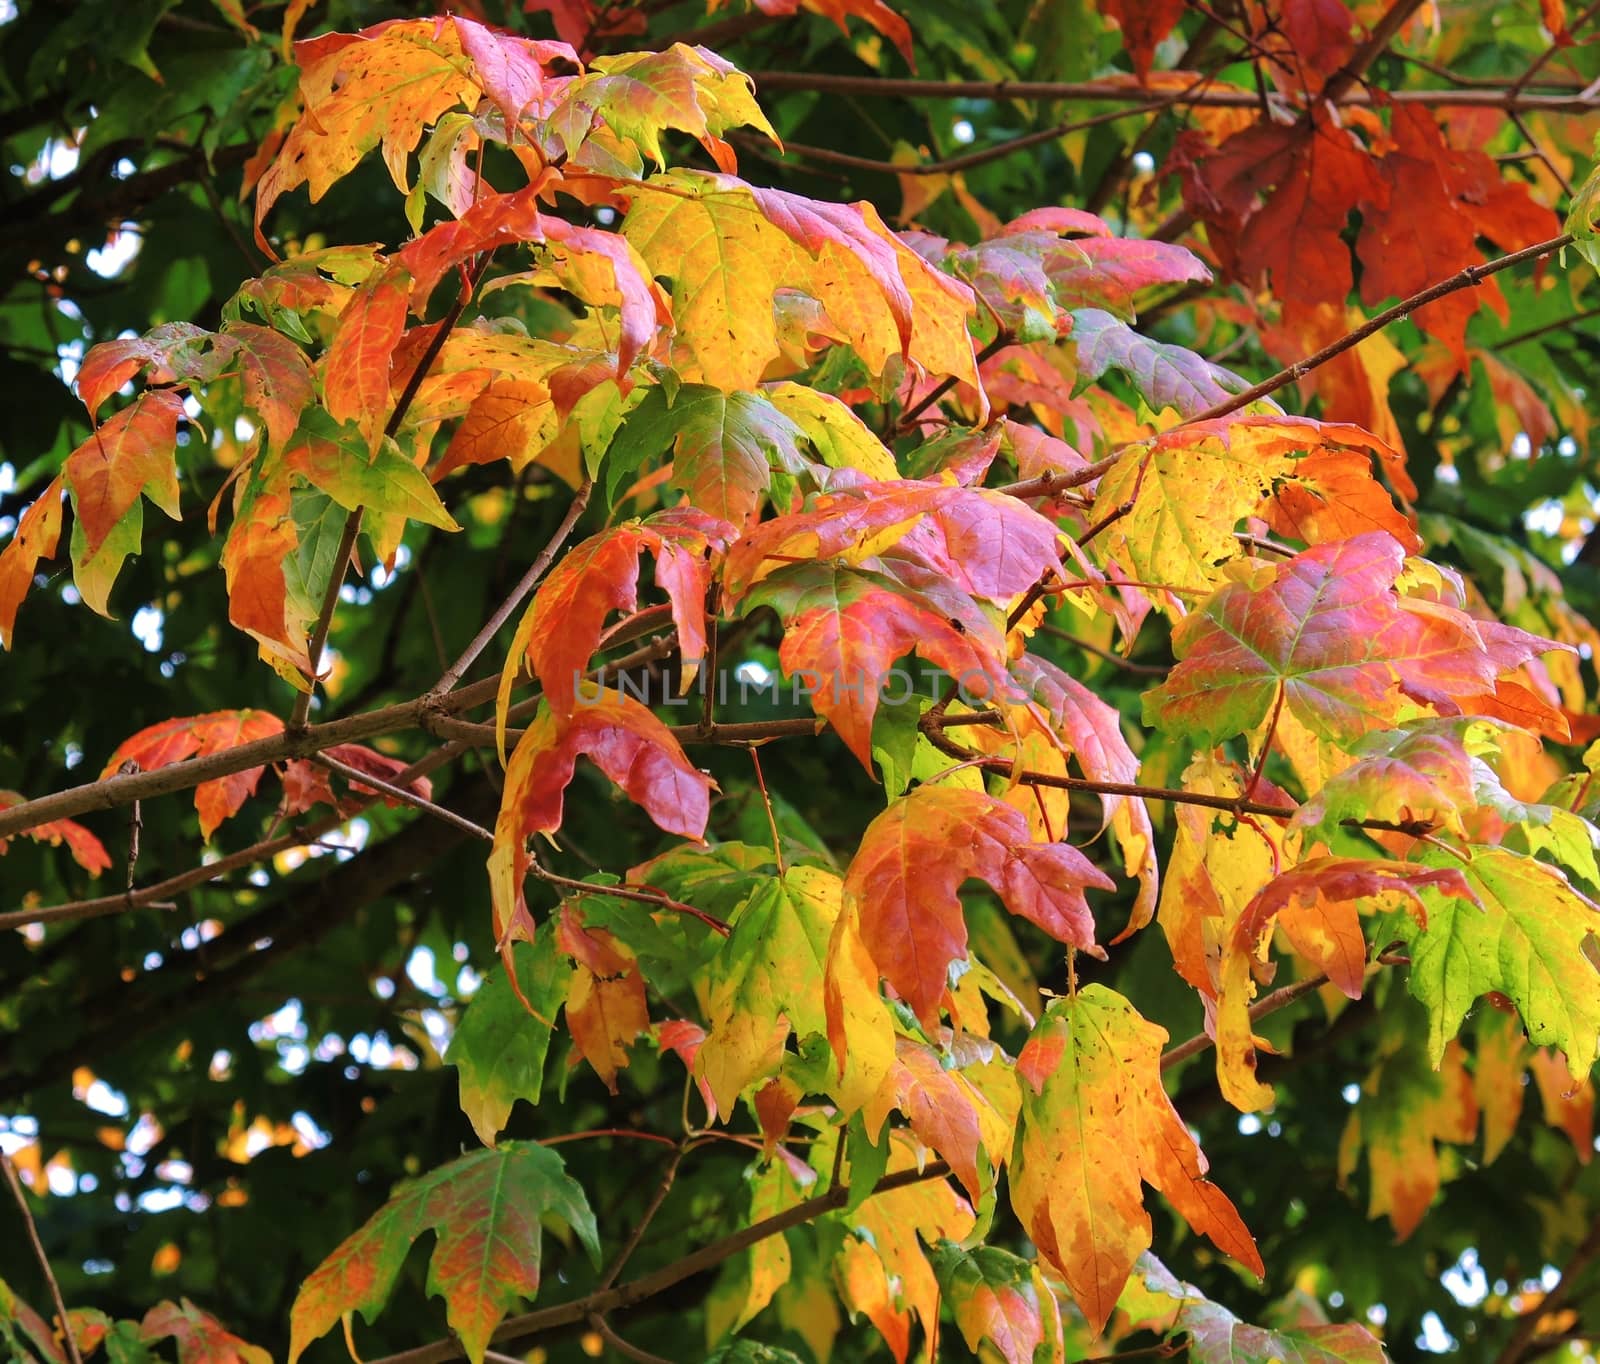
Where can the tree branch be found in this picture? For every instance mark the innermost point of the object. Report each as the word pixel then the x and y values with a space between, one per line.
pixel 1471 275
pixel 38 1254
pixel 110 792
pixel 900 88
pixel 536 570
pixel 1588 1251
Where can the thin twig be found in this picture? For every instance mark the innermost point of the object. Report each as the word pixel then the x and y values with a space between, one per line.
pixel 619 1263
pixel 1588 1251
pixel 621 1346
pixel 525 585
pixel 43 1259
pixel 1267 1004
pixel 905 88
pixel 1471 275
pixel 404 795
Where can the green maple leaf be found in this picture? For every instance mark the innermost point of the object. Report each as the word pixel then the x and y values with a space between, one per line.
pixel 500 1045
pixel 1525 942
pixel 486 1210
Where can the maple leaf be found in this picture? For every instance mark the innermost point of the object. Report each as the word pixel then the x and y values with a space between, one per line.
pixel 987 543
pixel 337 461
pixel 200 1337
pixel 765 980
pixel 1095 1124
pixel 1315 905
pixel 1093 731
pixel 560 631
pixel 37 534
pixel 1328 631
pixel 277 378
pixel 1144 23
pixel 132 452
pixel 1410 1102
pixel 1029 275
pixel 191 736
pixel 998 1298
pixel 305 783
pixel 1216 1336
pixel 725 447
pixel 907 893
pixel 844 629
pixel 605 1001
pixel 384 85
pixel 1164 375
pixel 627 743
pixel 873 12
pixel 87 850
pixel 882 1270
pixel 729 247
pixel 1525 941
pixel 174 351
pixel 1188 489
pixel 355 370
pixel 486 1209
pixel 947 1112
pixel 640 95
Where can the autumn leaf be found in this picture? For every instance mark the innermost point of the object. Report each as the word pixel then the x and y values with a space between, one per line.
pixel 946 1111
pixel 200 736
pixel 907 893
pixel 997 1297
pixel 560 631
pixel 1315 906
pixel 845 628
pixel 725 448
pixel 605 1001
pixel 200 1337
pixel 626 742
pixel 728 247
pixel 355 370
pixel 1188 490
pixel 883 1271
pixel 86 850
pixel 1328 632
pixel 1412 1101
pixel 1216 1336
pixel 989 544
pixel 1096 1124
pixel 37 534
pixel 486 1210
pixel 765 982
pixel 132 452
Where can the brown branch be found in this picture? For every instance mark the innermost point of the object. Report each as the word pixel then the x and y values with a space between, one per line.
pixel 1538 63
pixel 110 792
pixel 536 570
pixel 43 1259
pixel 1470 276
pixel 404 794
pixel 153 895
pixel 1587 1253
pixel 1384 32
pixel 1267 1004
pixel 900 88
pixel 608 1300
